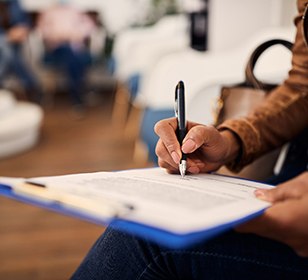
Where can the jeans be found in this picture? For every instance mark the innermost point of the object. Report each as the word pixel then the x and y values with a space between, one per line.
pixel 74 64
pixel 12 62
pixel 5 55
pixel 117 255
pixel 25 74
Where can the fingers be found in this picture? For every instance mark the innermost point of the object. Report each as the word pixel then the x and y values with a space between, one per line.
pixel 169 168
pixel 165 160
pixel 197 136
pixel 284 222
pixel 168 148
pixel 292 189
pixel 168 143
pixel 204 144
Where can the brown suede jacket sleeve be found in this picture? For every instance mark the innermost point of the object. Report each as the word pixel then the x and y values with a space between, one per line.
pixel 283 115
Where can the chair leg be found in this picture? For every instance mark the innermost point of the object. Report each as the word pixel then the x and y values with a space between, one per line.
pixel 140 155
pixel 121 106
pixel 49 83
pixel 132 127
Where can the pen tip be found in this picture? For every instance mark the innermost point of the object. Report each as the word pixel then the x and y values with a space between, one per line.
pixel 182 168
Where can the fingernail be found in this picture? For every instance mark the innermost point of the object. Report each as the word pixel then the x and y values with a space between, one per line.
pixel 193 170
pixel 188 146
pixel 200 164
pixel 260 194
pixel 175 157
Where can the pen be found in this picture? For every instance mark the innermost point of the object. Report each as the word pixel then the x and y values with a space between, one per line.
pixel 180 115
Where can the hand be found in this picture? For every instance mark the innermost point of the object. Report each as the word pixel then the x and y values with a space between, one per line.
pixel 206 147
pixel 17 34
pixel 287 220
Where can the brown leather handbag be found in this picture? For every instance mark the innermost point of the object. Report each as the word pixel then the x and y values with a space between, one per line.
pixel 239 100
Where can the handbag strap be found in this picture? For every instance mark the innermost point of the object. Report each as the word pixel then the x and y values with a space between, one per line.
pixel 251 80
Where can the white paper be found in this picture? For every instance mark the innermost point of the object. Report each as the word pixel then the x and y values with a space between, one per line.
pixel 170 202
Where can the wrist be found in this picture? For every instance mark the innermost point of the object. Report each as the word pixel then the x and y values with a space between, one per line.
pixel 233 145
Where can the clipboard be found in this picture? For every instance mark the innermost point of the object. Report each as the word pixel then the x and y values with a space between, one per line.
pixel 115 217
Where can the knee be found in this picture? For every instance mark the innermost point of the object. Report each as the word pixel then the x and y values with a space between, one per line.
pixel 113 241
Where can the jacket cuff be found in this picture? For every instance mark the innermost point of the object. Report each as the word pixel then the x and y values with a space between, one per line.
pixel 249 139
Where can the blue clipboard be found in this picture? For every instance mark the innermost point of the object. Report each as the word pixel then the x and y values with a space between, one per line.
pixel 165 238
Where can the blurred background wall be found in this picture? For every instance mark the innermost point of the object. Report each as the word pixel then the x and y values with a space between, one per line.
pixel 119 14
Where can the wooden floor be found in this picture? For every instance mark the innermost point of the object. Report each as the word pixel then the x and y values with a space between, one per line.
pixel 38 244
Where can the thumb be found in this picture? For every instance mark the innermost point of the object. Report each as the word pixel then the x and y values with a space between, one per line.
pixel 200 135
pixel 280 193
pixel 273 195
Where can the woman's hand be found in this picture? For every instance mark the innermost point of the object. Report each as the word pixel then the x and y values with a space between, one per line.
pixel 287 220
pixel 206 147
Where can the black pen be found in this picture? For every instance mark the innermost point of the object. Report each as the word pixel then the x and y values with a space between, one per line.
pixel 180 115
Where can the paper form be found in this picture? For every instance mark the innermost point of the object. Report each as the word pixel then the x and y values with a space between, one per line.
pixel 180 205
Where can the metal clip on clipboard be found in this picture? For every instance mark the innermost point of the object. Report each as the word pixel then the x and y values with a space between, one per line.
pixel 102 208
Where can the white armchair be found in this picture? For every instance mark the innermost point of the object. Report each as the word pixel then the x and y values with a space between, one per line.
pixel 20 124
pixel 137 50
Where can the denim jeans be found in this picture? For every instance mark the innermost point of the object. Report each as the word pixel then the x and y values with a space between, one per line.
pixel 12 62
pixel 232 255
pixel 74 64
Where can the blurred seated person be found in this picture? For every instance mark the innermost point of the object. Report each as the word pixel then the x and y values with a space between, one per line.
pixel 65 31
pixel 14 29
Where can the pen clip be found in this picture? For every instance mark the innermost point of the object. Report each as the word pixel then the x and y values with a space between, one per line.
pixel 180 105
pixel 176 103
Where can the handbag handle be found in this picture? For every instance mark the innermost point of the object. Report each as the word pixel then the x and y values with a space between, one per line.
pixel 251 80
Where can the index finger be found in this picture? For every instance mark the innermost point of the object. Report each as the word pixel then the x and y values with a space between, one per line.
pixel 165 129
